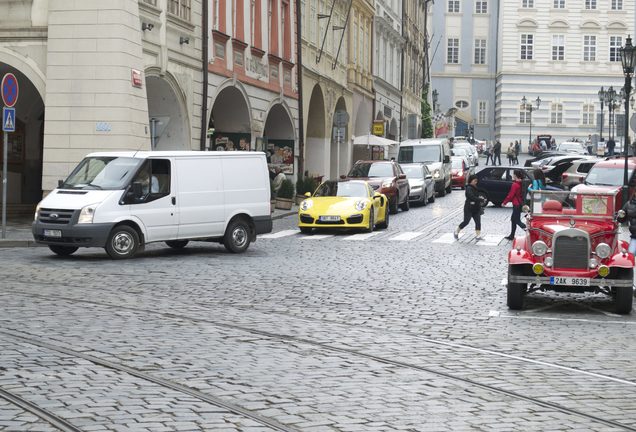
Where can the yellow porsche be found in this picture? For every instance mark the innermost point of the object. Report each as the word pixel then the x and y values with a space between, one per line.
pixel 343 204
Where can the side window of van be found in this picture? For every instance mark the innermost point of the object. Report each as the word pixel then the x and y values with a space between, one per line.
pixel 154 178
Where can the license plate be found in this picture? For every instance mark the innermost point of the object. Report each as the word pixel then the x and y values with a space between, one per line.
pixel 52 233
pixel 572 281
pixel 330 218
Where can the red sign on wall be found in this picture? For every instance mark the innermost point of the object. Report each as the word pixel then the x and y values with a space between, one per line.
pixel 136 78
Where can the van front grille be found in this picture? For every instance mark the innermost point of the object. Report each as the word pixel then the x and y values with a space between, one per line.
pixel 55 216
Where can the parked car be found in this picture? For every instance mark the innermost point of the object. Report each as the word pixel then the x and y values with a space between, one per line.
pixel 577 172
pixel 421 183
pixel 343 204
pixel 463 153
pixel 435 153
pixel 546 164
pixel 461 171
pixel 385 177
pixel 474 154
pixel 571 245
pixel 542 155
pixel 609 175
pixel 496 182
pixel 572 147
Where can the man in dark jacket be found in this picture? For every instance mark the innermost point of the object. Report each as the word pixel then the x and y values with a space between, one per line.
pixel 496 153
pixel 610 146
pixel 630 216
pixel 472 208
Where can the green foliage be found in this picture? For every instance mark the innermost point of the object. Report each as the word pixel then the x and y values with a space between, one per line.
pixel 286 189
pixel 306 184
pixel 427 123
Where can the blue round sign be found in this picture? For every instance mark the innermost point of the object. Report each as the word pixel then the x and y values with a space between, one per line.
pixel 9 88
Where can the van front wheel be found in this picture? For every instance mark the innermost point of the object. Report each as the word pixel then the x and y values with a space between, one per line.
pixel 237 236
pixel 63 250
pixel 122 243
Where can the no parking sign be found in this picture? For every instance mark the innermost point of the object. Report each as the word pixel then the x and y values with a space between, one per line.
pixel 9 88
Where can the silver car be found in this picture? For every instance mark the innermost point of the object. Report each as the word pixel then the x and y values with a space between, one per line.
pixel 470 149
pixel 421 183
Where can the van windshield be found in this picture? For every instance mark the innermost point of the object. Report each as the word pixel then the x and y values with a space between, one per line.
pixel 108 173
pixel 425 153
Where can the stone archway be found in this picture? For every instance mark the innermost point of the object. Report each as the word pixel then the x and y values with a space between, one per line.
pixel 25 149
pixel 229 127
pixel 280 139
pixel 168 118
pixel 339 157
pixel 316 153
pixel 393 130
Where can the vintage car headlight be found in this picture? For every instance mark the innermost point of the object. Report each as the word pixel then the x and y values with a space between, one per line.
pixel 620 214
pixel 548 262
pixel 537 268
pixel 603 250
pixel 86 214
pixel 539 248
pixel 306 205
pixel 436 174
pixel 387 183
pixel 593 263
pixel 603 271
pixel 360 205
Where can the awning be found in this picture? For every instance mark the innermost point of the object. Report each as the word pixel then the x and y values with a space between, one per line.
pixel 373 140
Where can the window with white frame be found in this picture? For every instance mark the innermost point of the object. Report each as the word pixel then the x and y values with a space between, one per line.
pixel 527 46
pixel 556 113
pixel 617 4
pixel 590 4
pixel 482 112
pixel 524 113
pixel 558 47
pixel 527 4
pixel 559 4
pixel 180 8
pixel 480 51
pixel 452 53
pixel 453 6
pixel 615 44
pixel 589 48
pixel 588 114
pixel 481 7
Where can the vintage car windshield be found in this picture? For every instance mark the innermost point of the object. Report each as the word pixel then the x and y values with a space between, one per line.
pixel 570 204
pixel 413 171
pixel 342 189
pixel 606 176
pixel 108 173
pixel 375 169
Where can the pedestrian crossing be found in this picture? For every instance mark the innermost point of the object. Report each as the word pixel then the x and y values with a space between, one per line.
pixel 405 236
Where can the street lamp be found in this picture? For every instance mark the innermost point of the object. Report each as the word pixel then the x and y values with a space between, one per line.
pixel 610 100
pixel 628 59
pixel 434 99
pixel 601 97
pixel 529 108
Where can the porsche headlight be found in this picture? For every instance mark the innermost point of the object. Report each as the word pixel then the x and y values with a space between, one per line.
pixel 86 214
pixel 360 205
pixel 387 183
pixel 603 250
pixel 436 174
pixel 306 205
pixel 539 248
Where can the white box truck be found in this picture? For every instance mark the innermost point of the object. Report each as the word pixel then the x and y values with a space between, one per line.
pixel 122 201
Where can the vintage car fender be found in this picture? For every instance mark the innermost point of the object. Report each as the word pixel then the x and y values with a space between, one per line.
pixel 519 254
pixel 620 260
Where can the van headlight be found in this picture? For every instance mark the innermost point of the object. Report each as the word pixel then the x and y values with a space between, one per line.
pixel 603 250
pixel 306 205
pixel 436 174
pixel 86 214
pixel 360 205
pixel 37 212
pixel 539 248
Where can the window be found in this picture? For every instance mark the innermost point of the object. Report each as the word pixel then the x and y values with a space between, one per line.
pixel 590 4
pixel 482 113
pixel 452 55
pixel 527 4
pixel 556 113
pixel 558 47
pixel 152 2
pixel 480 51
pixel 481 7
pixel 588 114
pixel 559 4
pixel 524 113
pixel 614 48
pixel 180 8
pixel 462 104
pixel 527 44
pixel 589 48
pixel 453 6
pixel 617 4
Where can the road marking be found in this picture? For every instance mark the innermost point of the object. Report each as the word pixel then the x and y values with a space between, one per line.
pixel 494 313
pixel 362 236
pixel 447 238
pixel 504 282
pixel 489 240
pixel 316 236
pixel 278 234
pixel 406 236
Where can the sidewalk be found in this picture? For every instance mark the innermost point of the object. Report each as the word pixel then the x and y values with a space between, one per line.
pixel 18 231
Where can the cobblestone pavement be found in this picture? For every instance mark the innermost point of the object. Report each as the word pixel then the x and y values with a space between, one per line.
pixel 402 330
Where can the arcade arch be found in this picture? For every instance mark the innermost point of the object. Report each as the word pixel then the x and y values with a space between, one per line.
pixel 229 127
pixel 316 154
pixel 279 138
pixel 168 118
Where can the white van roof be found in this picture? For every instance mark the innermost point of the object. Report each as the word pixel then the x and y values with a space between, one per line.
pixel 423 141
pixel 179 153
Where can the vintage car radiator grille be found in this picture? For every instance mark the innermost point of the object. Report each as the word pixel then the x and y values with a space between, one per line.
pixel 570 252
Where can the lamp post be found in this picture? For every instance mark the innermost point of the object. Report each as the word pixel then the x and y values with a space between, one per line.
pixel 610 100
pixel 434 97
pixel 628 59
pixel 530 108
pixel 601 98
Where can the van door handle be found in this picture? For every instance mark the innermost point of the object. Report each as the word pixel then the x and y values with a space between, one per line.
pixel 174 200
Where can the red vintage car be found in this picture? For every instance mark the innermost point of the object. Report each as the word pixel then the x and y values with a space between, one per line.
pixel 571 245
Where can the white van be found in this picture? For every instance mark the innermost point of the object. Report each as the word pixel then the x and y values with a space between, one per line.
pixel 123 200
pixel 435 153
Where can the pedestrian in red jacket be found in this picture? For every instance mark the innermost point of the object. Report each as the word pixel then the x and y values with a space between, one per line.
pixel 515 197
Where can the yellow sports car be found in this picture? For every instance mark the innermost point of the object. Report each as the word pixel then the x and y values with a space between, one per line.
pixel 343 204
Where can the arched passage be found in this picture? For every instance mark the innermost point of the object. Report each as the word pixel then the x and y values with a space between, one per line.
pixel 280 139
pixel 168 119
pixel 229 127
pixel 362 124
pixel 393 130
pixel 316 154
pixel 339 143
pixel 25 149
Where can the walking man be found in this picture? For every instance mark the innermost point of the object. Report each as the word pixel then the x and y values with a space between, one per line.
pixel 472 208
pixel 496 153
pixel 515 197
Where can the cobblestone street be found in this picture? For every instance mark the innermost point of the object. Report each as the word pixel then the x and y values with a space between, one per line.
pixel 402 329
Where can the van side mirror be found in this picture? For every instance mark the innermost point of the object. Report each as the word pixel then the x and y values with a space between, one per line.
pixel 60 183
pixel 342 176
pixel 446 158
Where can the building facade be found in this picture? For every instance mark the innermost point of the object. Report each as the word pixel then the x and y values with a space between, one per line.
pixel 414 29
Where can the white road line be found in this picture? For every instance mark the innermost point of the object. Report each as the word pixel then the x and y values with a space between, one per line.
pixel 447 238
pixel 406 236
pixel 361 236
pixel 489 240
pixel 316 236
pixel 278 234
pixel 494 313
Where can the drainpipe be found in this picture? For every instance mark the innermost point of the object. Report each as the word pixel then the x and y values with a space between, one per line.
pixel 299 78
pixel 402 71
pixel 204 60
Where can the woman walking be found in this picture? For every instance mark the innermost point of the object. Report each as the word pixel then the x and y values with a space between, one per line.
pixel 472 208
pixel 515 197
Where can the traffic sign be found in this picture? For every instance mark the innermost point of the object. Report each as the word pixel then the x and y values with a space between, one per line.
pixel 8 119
pixel 340 119
pixel 9 89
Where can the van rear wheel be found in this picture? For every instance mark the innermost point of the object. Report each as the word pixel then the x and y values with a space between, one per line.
pixel 237 236
pixel 63 250
pixel 122 243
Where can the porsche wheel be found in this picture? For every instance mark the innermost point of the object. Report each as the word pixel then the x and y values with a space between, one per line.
pixel 385 224
pixel 371 222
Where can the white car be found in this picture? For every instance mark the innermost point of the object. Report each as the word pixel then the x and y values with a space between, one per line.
pixel 572 147
pixel 465 153
pixel 472 150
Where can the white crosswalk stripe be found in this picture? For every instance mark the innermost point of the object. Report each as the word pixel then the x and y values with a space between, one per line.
pixel 317 236
pixel 447 238
pixel 364 236
pixel 407 236
pixel 278 234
